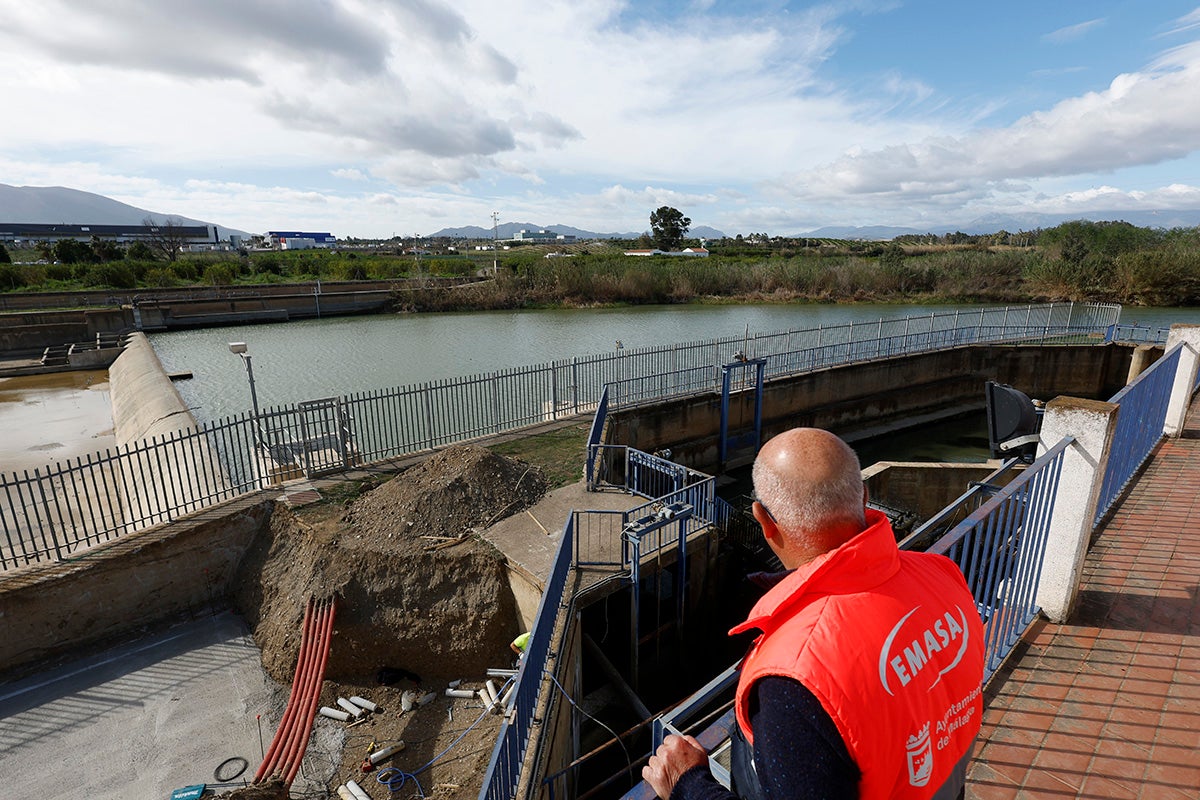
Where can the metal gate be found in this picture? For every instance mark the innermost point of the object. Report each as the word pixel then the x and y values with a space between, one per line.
pixel 731 444
pixel 313 438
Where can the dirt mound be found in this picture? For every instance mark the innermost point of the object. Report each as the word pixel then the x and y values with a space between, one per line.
pixel 417 594
pixel 455 491
pixel 411 594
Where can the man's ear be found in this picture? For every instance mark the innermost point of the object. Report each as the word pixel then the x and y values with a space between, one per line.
pixel 769 527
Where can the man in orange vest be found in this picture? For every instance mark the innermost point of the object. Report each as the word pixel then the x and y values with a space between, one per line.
pixel 865 681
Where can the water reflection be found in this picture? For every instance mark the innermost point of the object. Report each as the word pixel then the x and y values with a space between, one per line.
pixel 46 418
pixel 322 358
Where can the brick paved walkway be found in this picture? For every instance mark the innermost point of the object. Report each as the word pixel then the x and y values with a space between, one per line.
pixel 1108 706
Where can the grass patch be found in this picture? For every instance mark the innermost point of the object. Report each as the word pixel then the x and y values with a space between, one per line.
pixel 344 492
pixel 560 453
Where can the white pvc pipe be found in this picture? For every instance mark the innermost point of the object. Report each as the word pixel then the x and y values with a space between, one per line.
pixel 390 750
pixel 361 703
pixel 493 690
pixel 427 698
pixel 333 713
pixel 344 793
pixel 357 791
pixel 507 694
pixel 465 694
pixel 501 673
pixel 349 707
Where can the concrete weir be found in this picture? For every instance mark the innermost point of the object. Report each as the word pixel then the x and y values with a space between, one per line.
pixel 147 407
pixel 147 576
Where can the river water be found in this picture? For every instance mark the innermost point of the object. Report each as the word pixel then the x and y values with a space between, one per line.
pixel 310 359
pixel 44 418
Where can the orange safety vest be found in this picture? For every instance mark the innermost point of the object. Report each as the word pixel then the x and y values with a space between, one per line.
pixel 891 644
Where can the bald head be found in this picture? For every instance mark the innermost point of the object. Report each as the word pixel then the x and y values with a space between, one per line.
pixel 812 484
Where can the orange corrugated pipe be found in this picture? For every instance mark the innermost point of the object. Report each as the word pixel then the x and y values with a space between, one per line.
pixel 291 739
pixel 281 733
pixel 310 711
pixel 297 724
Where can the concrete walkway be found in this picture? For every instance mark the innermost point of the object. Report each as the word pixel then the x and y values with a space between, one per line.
pixel 142 719
pixel 529 539
pixel 1108 705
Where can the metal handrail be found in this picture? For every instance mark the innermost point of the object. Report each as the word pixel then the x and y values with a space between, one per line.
pixel 1142 411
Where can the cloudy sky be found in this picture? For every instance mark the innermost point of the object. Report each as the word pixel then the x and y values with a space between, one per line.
pixel 382 117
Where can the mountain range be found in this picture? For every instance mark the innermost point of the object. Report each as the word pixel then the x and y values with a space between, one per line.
pixel 60 205
pixel 992 223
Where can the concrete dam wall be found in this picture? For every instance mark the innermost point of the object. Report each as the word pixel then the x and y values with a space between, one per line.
pixel 858 401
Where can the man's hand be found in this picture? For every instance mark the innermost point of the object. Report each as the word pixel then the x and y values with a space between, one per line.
pixel 675 756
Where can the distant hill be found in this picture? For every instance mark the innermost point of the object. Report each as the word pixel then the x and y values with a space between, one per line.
pixel 59 205
pixel 870 234
pixel 992 223
pixel 510 229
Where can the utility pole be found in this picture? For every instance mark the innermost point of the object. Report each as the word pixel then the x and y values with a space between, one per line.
pixel 495 243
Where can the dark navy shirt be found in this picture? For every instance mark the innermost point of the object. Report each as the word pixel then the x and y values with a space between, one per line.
pixel 798 751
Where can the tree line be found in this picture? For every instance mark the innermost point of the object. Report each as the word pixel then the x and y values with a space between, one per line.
pixel 1097 261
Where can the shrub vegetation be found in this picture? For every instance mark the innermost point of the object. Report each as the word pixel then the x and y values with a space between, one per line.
pixel 1095 261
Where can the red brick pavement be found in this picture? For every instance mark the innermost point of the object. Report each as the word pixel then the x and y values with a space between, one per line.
pixel 1108 705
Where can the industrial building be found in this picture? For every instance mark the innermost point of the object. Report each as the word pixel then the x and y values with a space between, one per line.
pixel 543 236
pixel 300 240
pixel 33 232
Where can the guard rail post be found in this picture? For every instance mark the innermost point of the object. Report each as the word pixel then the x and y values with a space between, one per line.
pixel 1092 424
pixel 1185 376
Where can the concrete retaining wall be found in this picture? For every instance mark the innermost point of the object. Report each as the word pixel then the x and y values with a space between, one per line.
pixel 112 592
pixel 862 400
pixel 925 488
pixel 32 332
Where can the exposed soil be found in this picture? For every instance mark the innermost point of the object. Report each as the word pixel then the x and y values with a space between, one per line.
pixel 421 600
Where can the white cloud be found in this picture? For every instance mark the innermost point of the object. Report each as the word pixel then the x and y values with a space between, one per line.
pixel 1187 22
pixel 1072 32
pixel 371 114
pixel 1140 119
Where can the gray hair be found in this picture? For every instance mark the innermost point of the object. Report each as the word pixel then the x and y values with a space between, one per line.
pixel 801 506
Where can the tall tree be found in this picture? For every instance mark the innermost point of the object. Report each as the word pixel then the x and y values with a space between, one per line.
pixel 166 238
pixel 5 258
pixel 71 251
pixel 668 226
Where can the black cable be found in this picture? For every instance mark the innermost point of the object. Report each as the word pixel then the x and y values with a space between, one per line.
pixel 236 760
pixel 624 749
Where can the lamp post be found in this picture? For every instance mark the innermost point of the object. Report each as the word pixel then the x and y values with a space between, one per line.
pixel 239 348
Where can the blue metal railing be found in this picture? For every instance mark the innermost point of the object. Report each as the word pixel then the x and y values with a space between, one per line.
pixel 999 548
pixel 504 768
pixel 796 352
pixel 968 501
pixel 594 436
pixel 593 539
pixel 1142 411
pixel 1136 334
